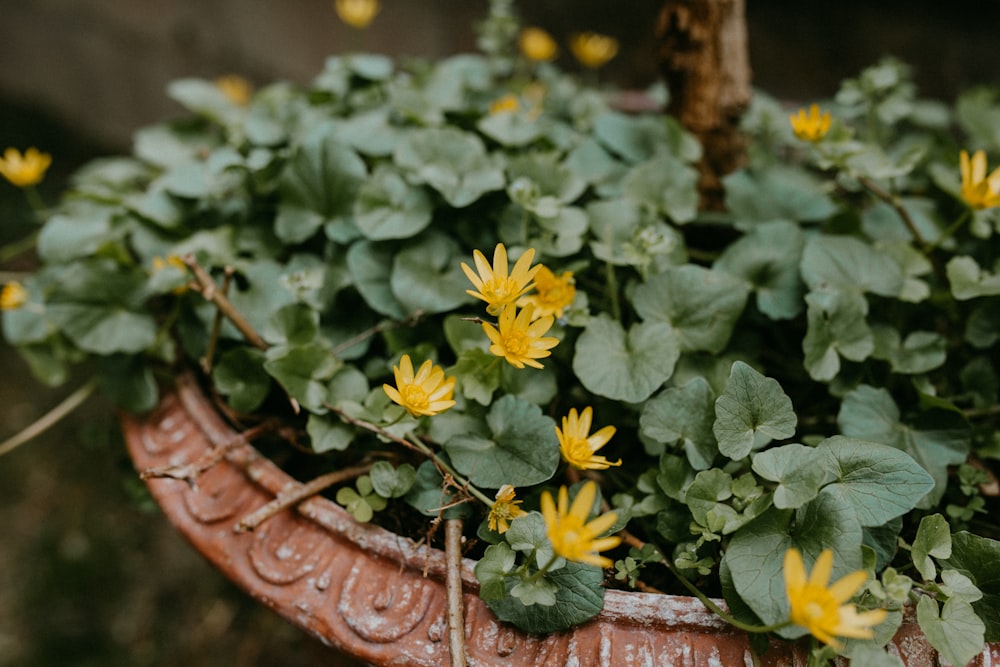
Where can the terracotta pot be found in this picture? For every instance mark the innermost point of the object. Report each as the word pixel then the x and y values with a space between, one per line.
pixel 381 597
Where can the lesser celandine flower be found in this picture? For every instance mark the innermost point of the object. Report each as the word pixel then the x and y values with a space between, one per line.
pixel 24 170
pixel 820 608
pixel 553 294
pixel 578 445
pixel 13 296
pixel 520 340
pixel 494 286
pixel 979 190
pixel 236 89
pixel 811 126
pixel 505 509
pixel 593 49
pixel 428 392
pixel 357 13
pixel 572 536
pixel 506 104
pixel 536 44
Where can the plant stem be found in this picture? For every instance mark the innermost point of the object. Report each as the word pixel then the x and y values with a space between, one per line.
pixel 612 287
pixel 635 542
pixel 419 446
pixel 377 329
pixel 19 247
pixel 894 202
pixel 49 419
pixel 453 584
pixel 213 337
pixel 541 572
pixel 297 492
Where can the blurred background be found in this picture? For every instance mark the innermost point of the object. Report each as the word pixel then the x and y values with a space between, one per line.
pixel 90 574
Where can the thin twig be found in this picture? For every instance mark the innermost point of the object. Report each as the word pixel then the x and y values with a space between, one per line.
pixel 295 493
pixel 894 202
pixel 213 338
pixel 210 291
pixel 189 472
pixel 49 419
pixel 410 321
pixel 453 584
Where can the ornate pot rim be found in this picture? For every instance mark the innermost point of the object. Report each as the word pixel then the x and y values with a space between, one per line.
pixel 380 596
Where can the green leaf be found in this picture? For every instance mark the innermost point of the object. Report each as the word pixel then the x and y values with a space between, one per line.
pixel 328 434
pixel 968 281
pixel 836 328
pixel 682 416
pixel 779 193
pixel 665 185
pixel 370 265
pixel 204 98
pixel 453 162
pixel 534 592
pixel 294 324
pixel 768 258
pixel 637 137
pixel 389 208
pixel 128 381
pixel 239 374
pixel 104 328
pixel 628 367
pixel 539 386
pixel 579 597
pixel 878 481
pixel 491 571
pixel 522 451
pixel 303 371
pixel 528 534
pixel 478 374
pixel 933 539
pixel 920 352
pixel 427 275
pixel 847 263
pixel 65 237
pixel 752 411
pixel 800 472
pixel 957 633
pixel 323 176
pixel 956 584
pixel 755 553
pixel 868 413
pixel 701 305
pixel 370 133
pixel 977 557
pixel 392 482
pixel 513 128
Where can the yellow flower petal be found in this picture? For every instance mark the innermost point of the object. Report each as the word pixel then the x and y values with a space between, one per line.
pixel 493 284
pixel 24 170
pixel 428 393
pixel 572 537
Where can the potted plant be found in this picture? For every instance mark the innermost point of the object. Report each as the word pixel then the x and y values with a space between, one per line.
pixel 475 291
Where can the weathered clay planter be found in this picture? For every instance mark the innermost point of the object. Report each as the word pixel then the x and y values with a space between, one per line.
pixel 380 596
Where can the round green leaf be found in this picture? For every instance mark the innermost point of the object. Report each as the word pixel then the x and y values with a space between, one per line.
pixel 239 374
pixel 427 275
pixel 579 597
pixel 627 367
pixel 390 208
pixel 683 416
pixel 752 411
pixel 522 450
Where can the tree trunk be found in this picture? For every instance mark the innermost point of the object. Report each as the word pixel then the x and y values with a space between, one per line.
pixel 704 59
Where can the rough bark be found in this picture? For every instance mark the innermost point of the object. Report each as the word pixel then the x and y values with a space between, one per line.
pixel 704 59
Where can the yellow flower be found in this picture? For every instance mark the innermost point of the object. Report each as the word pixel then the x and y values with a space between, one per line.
pixel 538 45
pixel 578 445
pixel 504 510
pixel 979 190
pixel 428 392
pixel 571 536
pixel 507 103
pixel 13 296
pixel 357 13
pixel 27 170
pixel 520 340
pixel 812 126
pixel 819 608
pixel 236 89
pixel 495 287
pixel 593 49
pixel 553 294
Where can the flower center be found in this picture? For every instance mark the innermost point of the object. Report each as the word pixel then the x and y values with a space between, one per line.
pixel 578 448
pixel 415 397
pixel 517 343
pixel 500 290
